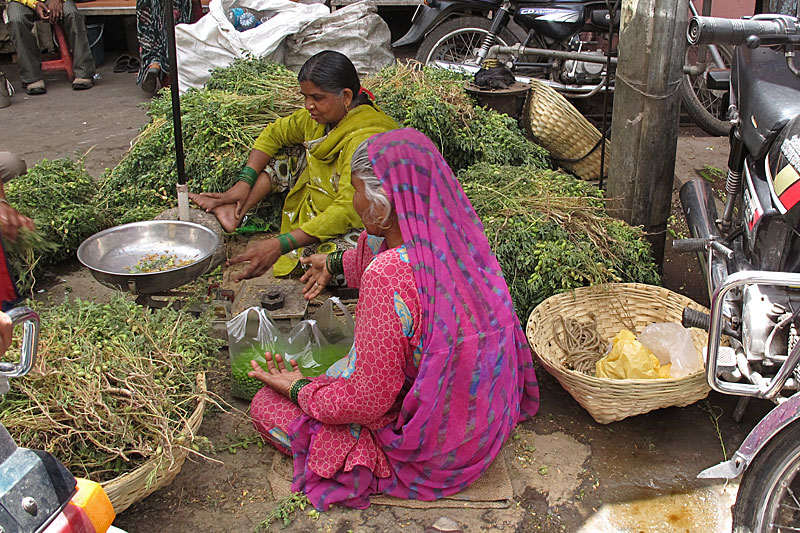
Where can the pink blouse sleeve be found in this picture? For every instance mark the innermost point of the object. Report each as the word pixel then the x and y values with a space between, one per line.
pixel 356 261
pixel 369 384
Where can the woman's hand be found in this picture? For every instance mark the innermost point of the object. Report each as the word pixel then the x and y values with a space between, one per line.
pixel 12 220
pixel 261 257
pixel 277 377
pixel 316 277
pixel 6 332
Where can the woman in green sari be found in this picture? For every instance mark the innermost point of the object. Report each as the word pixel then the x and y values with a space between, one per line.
pixel 337 117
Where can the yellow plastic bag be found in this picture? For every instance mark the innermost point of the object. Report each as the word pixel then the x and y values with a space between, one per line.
pixel 629 359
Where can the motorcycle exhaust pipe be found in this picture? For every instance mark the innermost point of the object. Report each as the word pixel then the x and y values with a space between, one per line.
pixel 700 209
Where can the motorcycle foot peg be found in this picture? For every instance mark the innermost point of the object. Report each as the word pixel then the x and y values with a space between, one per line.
pixel 695 319
pixel 689 245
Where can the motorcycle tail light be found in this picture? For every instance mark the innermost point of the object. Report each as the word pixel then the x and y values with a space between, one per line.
pixel 431 3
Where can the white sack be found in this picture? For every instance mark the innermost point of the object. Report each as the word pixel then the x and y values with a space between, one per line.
pixel 356 31
pixel 213 42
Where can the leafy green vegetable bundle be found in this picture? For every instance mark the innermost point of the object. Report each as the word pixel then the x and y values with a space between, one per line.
pixel 551 233
pixel 113 385
pixel 220 124
pixel 434 102
pixel 59 195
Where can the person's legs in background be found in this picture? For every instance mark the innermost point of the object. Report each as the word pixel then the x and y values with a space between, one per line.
pixel 82 61
pixel 11 165
pixel 20 26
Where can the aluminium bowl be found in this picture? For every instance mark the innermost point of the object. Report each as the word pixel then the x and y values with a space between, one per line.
pixel 109 253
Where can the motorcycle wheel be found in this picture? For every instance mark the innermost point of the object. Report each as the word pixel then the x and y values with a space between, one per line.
pixel 455 41
pixel 769 495
pixel 708 108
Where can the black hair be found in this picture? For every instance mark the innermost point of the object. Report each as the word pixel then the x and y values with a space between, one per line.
pixel 333 72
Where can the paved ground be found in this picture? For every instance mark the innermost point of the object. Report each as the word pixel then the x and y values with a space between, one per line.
pixel 569 473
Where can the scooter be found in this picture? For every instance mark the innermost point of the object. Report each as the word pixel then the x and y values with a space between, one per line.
pixel 751 262
pixel 37 493
pixel 565 45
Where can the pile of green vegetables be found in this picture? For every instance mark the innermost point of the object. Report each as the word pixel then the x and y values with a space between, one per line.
pixel 60 197
pixel 551 233
pixel 434 102
pixel 113 386
pixel 220 124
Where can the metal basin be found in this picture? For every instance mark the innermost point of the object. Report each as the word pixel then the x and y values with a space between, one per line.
pixel 109 253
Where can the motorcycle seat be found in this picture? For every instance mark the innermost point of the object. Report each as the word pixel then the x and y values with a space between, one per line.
pixel 768 96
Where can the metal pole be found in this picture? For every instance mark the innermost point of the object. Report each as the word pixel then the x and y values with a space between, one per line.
pixel 182 189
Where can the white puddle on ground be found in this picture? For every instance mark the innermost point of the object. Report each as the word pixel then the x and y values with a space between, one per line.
pixel 702 510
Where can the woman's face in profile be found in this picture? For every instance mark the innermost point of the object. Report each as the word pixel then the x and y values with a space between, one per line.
pixel 325 107
pixel 361 205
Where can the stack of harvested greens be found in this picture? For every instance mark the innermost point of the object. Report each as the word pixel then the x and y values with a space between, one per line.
pixel 113 385
pixel 221 121
pixel 59 196
pixel 220 124
pixel 434 102
pixel 551 233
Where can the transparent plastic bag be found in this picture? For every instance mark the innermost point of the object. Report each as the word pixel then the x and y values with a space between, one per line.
pixel 251 333
pixel 318 343
pixel 672 343
pixel 335 329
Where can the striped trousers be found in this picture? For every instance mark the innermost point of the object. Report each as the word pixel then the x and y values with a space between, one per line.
pixel 20 26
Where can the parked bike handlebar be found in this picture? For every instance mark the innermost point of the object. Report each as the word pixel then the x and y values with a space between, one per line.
pixel 718 30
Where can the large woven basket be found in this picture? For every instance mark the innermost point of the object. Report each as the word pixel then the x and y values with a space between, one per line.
pixel 616 306
pixel 129 488
pixel 556 125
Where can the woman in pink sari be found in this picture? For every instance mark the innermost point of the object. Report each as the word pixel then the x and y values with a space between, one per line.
pixel 440 371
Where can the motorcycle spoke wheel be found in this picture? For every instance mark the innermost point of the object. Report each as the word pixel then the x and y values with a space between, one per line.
pixel 455 42
pixel 707 107
pixel 769 495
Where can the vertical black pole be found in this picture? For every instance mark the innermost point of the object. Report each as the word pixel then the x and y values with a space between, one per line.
pixel 173 86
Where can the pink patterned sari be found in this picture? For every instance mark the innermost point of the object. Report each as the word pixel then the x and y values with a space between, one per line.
pixel 474 377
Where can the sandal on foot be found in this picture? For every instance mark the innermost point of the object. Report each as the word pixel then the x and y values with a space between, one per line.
pixel 151 77
pixel 36 87
pixel 79 84
pixel 122 63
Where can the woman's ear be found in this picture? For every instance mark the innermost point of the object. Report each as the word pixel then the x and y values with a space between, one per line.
pixel 347 97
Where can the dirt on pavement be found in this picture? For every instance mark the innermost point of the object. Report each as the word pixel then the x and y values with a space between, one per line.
pixel 569 473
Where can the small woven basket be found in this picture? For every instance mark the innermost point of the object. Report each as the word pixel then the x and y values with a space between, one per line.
pixel 129 488
pixel 557 126
pixel 614 307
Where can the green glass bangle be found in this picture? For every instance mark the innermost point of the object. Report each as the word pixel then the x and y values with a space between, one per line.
pixel 294 388
pixel 328 263
pixel 284 243
pixel 247 175
pixel 335 263
pixel 294 241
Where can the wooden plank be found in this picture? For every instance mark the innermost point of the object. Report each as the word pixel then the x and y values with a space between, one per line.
pixel 114 7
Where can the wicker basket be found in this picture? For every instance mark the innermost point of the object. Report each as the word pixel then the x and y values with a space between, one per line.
pixel 616 306
pixel 556 125
pixel 127 489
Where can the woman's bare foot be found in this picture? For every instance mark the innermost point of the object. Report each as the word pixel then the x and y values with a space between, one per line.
pixel 226 215
pixel 207 200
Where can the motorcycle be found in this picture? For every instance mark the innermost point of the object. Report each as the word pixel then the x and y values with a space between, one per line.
pixel 751 262
pixel 37 493
pixel 565 45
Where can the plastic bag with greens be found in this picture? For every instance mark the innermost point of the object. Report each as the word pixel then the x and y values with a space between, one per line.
pixel 251 333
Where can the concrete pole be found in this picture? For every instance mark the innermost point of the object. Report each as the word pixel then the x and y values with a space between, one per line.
pixel 644 127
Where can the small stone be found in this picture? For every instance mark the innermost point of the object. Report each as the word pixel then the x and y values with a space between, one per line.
pixel 446 524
